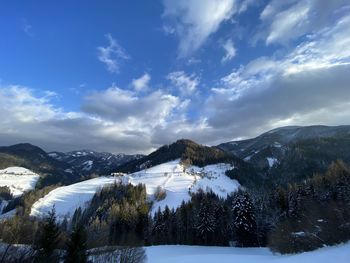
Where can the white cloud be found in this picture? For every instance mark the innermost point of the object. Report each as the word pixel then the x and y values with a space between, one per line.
pixel 187 84
pixel 142 82
pixel 324 49
pixel 113 120
pixel 230 51
pixel 112 55
pixel 27 28
pixel 195 20
pixel 289 23
pixel 168 30
pixel 302 85
pixel 284 21
pixel 124 106
pixel 245 4
pixel 308 85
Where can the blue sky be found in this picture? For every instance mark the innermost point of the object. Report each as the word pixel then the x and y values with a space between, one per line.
pixel 129 76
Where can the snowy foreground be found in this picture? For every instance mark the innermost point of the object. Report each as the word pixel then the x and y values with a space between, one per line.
pixel 172 177
pixel 186 254
pixel 18 179
pixel 203 254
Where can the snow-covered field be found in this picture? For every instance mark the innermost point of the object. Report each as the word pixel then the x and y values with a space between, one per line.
pixel 18 179
pixel 194 254
pixel 203 254
pixel 172 177
pixel 68 198
pixel 179 181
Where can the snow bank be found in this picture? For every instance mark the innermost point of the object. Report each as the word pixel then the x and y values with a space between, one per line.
pixel 67 199
pixel 18 179
pixel 187 254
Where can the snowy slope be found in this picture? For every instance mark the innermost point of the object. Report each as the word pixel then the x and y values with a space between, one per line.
pixel 172 177
pixel 178 181
pixel 18 179
pixel 187 254
pixel 68 198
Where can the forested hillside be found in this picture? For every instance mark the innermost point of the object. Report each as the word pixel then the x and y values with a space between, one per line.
pixel 291 154
pixel 188 151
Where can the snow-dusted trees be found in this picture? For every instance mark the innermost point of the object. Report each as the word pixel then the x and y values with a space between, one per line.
pixel 164 227
pixel 243 219
pixel 159 228
pixel 205 221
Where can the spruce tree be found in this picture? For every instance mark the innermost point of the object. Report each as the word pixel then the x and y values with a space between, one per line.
pixel 243 219
pixel 48 239
pixel 205 223
pixel 158 230
pixel 76 246
pixel 182 223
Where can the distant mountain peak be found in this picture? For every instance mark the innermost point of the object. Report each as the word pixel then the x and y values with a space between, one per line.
pixel 27 147
pixel 186 150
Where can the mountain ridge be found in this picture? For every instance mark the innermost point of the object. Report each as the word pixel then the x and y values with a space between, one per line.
pixel 291 154
pixel 188 151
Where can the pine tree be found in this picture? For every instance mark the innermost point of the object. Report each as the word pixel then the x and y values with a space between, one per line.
pixel 243 219
pixel 221 222
pixel 76 246
pixel 167 225
pixel 158 229
pixel 182 223
pixel 48 239
pixel 205 223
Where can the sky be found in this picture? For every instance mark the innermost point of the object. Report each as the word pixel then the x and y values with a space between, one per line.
pixel 130 76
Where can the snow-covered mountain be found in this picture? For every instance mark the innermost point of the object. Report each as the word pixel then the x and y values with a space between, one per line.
pixel 61 168
pixel 293 153
pixel 31 157
pixel 89 162
pixel 189 152
pixel 177 181
pixel 179 172
pixel 279 138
